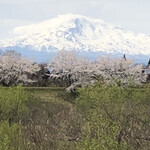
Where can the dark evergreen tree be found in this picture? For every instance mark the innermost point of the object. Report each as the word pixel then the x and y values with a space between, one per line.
pixel 148 63
pixel 124 57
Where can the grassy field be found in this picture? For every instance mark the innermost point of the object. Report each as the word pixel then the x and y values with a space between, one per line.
pixel 94 118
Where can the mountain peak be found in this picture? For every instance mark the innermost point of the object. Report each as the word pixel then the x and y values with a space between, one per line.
pixel 78 17
pixel 66 21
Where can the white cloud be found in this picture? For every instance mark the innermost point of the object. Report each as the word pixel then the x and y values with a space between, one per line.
pixel 7 26
pixel 94 3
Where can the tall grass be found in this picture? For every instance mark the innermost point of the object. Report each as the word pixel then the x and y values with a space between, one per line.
pixel 13 103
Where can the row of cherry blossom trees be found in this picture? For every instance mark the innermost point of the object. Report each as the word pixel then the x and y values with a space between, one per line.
pixel 66 65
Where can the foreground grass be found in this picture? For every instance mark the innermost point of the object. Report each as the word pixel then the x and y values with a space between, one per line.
pixel 97 118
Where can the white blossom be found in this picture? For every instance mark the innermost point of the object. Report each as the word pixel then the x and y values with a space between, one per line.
pixel 15 69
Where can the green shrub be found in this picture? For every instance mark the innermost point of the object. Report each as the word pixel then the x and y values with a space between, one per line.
pixel 10 136
pixel 13 102
pixel 115 117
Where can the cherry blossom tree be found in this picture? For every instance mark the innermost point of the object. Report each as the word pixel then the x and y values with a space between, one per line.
pixel 120 69
pixel 67 66
pixel 15 69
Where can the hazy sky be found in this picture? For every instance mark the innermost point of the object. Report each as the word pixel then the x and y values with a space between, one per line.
pixel 133 15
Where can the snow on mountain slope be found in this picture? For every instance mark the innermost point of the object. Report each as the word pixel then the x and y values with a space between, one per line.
pixel 76 32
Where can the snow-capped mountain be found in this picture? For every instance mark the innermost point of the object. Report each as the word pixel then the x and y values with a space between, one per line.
pixel 80 33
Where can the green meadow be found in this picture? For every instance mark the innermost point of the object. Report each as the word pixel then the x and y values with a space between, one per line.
pixel 96 117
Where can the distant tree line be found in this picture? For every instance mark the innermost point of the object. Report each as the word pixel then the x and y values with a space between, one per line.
pixel 69 70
